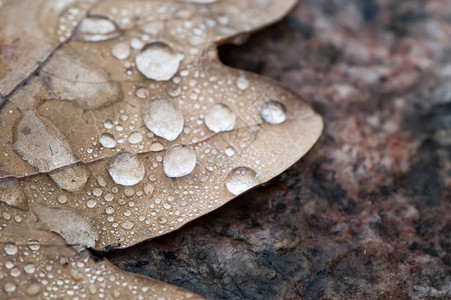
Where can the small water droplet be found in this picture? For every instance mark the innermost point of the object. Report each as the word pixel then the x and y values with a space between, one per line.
pixel 107 140
pixel 155 147
pixel 163 118
pixel 108 124
pixel 241 179
pixel 127 225
pixel 179 161
pixel 158 61
pixel 15 272
pixel 129 191
pixel 126 169
pixel 273 112
pixel 135 137
pixel 121 50
pixel 162 220
pixel 219 118
pixel 62 199
pixel 97 192
pixel 91 203
pixel 242 83
pixel 142 93
pixel 34 245
pixel 10 248
pixel 109 210
pixel 173 90
pixel 96 28
pixel 9 287
pixel 33 289
pixel 29 268
pixel 148 189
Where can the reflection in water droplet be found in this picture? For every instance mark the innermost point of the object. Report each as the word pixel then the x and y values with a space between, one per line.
pixel 135 137
pixel 121 50
pixel 95 28
pixel 10 248
pixel 107 140
pixel 179 161
pixel 163 118
pixel 126 169
pixel 241 179
pixel 142 93
pixel 158 62
pixel 219 118
pixel 273 112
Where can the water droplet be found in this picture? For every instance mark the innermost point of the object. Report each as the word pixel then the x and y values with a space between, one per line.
pixel 219 118
pixel 163 118
pixel 241 179
pixel 179 161
pixel 129 192
pixel 33 289
pixel 158 61
pixel 10 248
pixel 155 147
pixel 109 210
pixel 96 28
pixel 229 151
pixel 242 83
pixel 107 140
pixel 162 220
pixel 62 199
pixel 135 137
pixel 108 124
pixel 9 287
pixel 15 272
pixel 97 192
pixel 173 90
pixel 148 189
pixel 273 112
pixel 29 268
pixel 72 178
pixel 34 245
pixel 91 203
pixel 142 93
pixel 121 50
pixel 126 169
pixel 127 225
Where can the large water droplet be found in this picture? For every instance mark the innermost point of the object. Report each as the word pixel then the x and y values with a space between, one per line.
pixel 96 28
pixel 241 179
pixel 219 118
pixel 126 169
pixel 163 118
pixel 179 161
pixel 273 112
pixel 158 61
pixel 12 194
pixel 107 140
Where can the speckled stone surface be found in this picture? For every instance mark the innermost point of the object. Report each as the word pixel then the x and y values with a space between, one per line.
pixel 367 213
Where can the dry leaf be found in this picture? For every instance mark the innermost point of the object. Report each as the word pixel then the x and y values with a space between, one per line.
pixel 120 124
